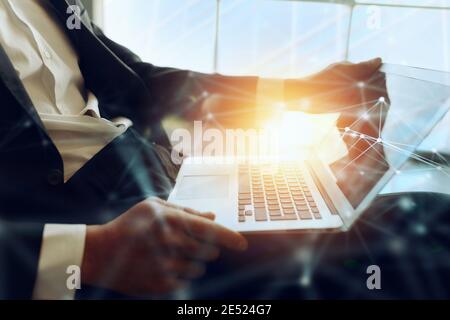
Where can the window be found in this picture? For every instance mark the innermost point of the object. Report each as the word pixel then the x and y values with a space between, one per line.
pixel 418 36
pixel 282 38
pixel 177 33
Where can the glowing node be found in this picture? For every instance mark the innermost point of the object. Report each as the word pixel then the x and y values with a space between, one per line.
pixel 434 150
pixel 205 94
pixel 305 281
pixel 420 229
pixel 365 116
pixel 397 246
pixel 347 129
pixel 362 173
pixel 406 204
pixel 398 172
pixel 341 176
pixel 361 84
pixel 362 136
pixel 439 168
pixel 210 116
pixel 379 140
pixel 382 100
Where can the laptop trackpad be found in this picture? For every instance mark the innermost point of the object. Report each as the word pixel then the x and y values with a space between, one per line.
pixel 203 187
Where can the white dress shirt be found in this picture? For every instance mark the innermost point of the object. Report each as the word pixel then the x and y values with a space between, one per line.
pixel 47 65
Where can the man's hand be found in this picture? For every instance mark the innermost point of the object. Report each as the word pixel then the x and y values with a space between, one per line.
pixel 155 248
pixel 339 86
pixel 347 72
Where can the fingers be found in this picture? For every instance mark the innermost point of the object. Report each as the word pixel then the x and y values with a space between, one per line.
pixel 206 215
pixel 372 63
pixel 191 248
pixel 372 66
pixel 203 229
pixel 210 232
pixel 364 70
pixel 350 72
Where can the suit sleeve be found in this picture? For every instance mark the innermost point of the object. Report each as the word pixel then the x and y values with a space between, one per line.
pixel 175 91
pixel 20 245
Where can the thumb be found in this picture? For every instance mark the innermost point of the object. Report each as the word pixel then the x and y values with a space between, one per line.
pixel 367 68
pixel 374 63
pixel 207 215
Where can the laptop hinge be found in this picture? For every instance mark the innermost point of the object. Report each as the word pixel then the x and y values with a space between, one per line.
pixel 322 191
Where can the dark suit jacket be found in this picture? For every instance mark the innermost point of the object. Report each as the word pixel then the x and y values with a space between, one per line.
pixel 32 192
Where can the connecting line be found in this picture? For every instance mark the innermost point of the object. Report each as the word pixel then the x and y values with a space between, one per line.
pixel 441 157
pixel 358 157
pixel 372 141
pixel 378 141
pixel 410 154
pixel 380 125
pixel 371 109
pixel 435 152
pixel 420 159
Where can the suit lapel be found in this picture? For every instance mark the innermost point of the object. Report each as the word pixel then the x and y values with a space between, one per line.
pixel 60 8
pixel 104 73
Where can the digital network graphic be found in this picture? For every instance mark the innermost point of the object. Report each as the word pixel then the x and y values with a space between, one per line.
pixel 403 232
pixel 406 235
pixel 422 241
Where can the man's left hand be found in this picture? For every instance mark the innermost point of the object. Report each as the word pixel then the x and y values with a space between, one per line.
pixel 339 85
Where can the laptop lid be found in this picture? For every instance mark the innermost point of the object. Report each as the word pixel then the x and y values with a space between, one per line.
pixel 375 138
pixel 437 76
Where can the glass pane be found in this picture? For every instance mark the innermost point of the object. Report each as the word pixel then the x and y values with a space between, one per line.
pixel 280 38
pixel 415 37
pixel 177 33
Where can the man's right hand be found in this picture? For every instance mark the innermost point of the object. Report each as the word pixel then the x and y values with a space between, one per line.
pixel 154 248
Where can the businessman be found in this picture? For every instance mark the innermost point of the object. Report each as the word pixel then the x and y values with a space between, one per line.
pixel 85 163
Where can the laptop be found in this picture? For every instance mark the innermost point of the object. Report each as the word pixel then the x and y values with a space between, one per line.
pixel 327 190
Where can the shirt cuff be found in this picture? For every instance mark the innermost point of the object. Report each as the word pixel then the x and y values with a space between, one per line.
pixel 62 247
pixel 269 100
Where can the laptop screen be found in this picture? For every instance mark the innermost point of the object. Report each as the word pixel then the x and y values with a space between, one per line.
pixel 379 133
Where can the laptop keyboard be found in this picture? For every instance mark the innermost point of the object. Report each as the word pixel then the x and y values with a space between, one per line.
pixel 274 192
